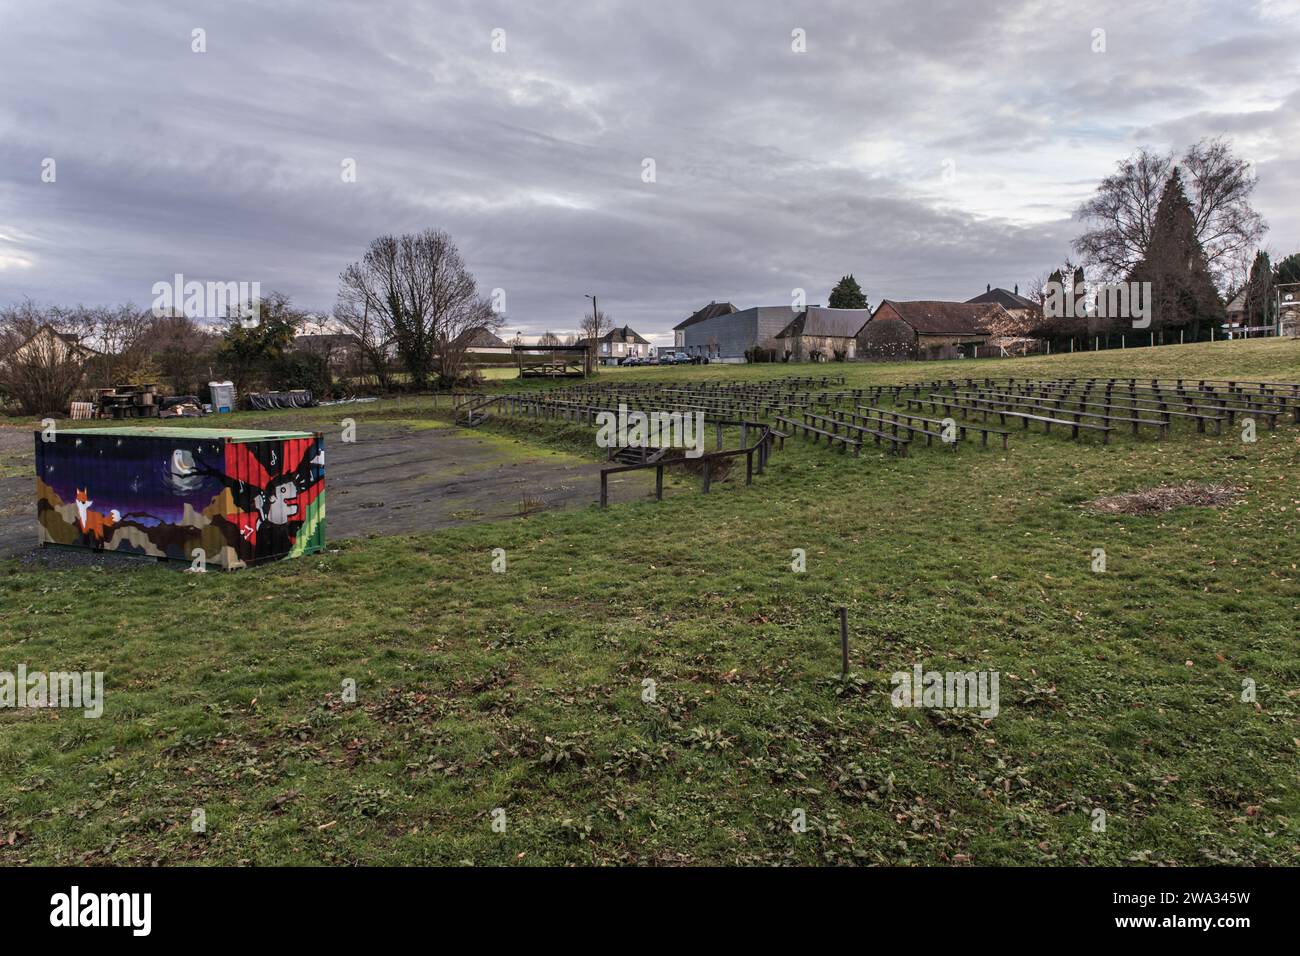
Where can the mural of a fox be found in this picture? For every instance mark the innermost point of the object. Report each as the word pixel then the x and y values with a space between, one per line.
pixel 94 524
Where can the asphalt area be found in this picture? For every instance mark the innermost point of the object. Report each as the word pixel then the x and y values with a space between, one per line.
pixel 391 480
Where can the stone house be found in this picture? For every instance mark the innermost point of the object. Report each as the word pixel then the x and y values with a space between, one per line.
pixel 819 334
pixel 928 329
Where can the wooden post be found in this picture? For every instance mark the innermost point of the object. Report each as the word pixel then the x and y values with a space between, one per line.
pixel 706 475
pixel 604 490
pixel 659 483
pixel 844 643
pixel 749 467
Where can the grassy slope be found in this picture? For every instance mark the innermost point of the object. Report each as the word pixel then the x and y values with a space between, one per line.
pixel 523 690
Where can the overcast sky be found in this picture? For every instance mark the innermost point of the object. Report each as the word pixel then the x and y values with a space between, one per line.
pixel 929 148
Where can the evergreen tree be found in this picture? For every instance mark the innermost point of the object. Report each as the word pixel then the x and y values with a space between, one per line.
pixel 252 352
pixel 1182 292
pixel 847 294
pixel 1054 319
pixel 1259 290
pixel 1079 283
pixel 1288 270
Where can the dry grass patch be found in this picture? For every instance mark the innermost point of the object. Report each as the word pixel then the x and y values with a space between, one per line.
pixel 1153 501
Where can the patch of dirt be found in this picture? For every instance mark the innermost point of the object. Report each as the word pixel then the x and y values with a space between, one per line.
pixel 1154 501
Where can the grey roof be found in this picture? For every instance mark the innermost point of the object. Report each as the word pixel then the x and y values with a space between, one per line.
pixel 710 311
pixel 624 334
pixel 480 337
pixel 1008 300
pixel 325 339
pixel 820 321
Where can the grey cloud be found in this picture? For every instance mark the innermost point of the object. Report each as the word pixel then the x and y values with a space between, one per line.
pixel 775 170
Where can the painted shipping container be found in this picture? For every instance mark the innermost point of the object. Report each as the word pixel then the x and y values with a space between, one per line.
pixel 239 497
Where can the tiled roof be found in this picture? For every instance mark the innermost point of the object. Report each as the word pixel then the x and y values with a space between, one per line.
pixel 943 318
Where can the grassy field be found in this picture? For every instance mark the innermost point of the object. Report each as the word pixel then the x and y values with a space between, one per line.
pixel 526 690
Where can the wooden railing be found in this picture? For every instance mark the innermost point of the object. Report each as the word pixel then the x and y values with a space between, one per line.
pixel 761 447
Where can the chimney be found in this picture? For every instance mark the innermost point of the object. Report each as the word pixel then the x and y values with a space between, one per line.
pixel 1017 288
pixel 988 287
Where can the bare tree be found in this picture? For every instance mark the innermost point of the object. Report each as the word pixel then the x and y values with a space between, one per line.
pixel 1036 289
pixel 43 356
pixel 594 325
pixel 183 352
pixel 354 315
pixel 1226 225
pixel 423 297
pixel 1120 216
pixel 1001 324
pixel 548 338
pixel 121 336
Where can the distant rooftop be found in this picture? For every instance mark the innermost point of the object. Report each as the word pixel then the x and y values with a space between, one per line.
pixel 1008 300
pixel 828 323
pixel 710 311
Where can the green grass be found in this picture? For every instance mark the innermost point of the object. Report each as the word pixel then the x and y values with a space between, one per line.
pixel 523 690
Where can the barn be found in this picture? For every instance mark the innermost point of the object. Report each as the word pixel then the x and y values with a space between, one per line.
pixel 928 329
pixel 818 334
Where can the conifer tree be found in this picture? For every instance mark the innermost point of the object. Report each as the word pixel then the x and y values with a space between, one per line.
pixel 847 294
pixel 1259 290
pixel 1182 291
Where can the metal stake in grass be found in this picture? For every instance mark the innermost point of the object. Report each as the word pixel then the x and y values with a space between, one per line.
pixel 844 643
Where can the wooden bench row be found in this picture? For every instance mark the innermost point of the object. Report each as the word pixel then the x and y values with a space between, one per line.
pixel 899 443
pixel 814 433
pixel 1134 406
pixel 1053 407
pixel 949 404
pixel 962 427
